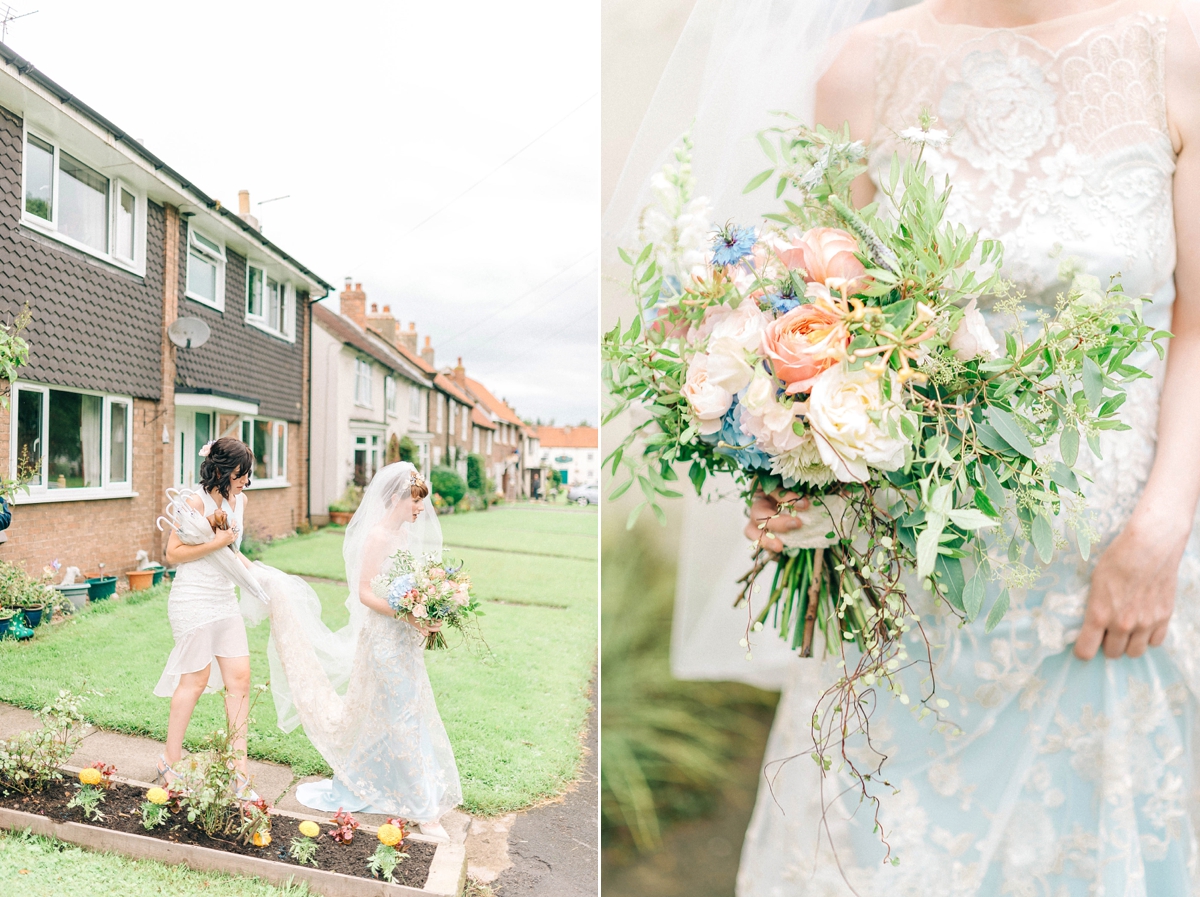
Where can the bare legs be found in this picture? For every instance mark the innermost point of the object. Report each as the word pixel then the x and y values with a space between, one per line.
pixel 236 673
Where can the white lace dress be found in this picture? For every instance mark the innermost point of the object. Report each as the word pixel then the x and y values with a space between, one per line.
pixel 1067 778
pixel 203 609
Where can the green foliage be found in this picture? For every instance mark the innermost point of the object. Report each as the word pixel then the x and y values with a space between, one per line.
pixel 14 351
pixel 253 545
pixel 406 450
pixel 477 478
pixel 29 761
pixel 349 501
pixel 448 484
pixel 88 798
pixel 384 861
pixel 304 851
pixel 154 815
pixel 19 589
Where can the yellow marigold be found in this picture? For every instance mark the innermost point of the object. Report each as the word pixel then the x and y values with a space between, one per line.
pixel 157 796
pixel 309 829
pixel 261 839
pixel 390 835
pixel 90 776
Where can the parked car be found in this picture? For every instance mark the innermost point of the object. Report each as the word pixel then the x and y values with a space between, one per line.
pixel 584 495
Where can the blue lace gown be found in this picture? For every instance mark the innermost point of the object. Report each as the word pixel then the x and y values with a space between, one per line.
pixel 1057 778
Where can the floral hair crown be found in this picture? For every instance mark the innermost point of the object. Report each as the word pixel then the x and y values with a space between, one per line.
pixel 205 449
pixel 415 479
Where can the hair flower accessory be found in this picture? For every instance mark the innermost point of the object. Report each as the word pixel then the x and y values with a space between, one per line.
pixel 204 449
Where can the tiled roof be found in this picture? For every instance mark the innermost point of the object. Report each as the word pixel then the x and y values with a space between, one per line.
pixel 493 404
pixel 479 419
pixel 568 437
pixel 350 333
pixel 450 388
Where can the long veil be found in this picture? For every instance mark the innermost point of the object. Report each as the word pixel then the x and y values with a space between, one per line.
pixel 314 669
pixel 736 62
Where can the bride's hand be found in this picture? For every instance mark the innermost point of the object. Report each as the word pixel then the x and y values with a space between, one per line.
pixel 223 537
pixel 425 627
pixel 766 519
pixel 1132 593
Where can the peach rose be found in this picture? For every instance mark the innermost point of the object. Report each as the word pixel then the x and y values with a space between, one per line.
pixel 826 254
pixel 806 341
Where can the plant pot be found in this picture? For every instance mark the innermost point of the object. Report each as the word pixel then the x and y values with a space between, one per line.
pixel 158 570
pixel 6 617
pixel 33 615
pixel 140 579
pixel 77 593
pixel 341 518
pixel 101 587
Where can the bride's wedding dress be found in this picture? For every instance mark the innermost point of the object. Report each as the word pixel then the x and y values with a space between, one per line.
pixel 362 692
pixel 1062 777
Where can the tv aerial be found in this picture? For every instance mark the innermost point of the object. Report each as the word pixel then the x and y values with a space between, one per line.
pixel 189 333
pixel 8 14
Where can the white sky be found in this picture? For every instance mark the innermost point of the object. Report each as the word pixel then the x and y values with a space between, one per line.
pixel 372 116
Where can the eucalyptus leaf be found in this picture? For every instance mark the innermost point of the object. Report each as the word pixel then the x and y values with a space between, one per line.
pixel 996 614
pixel 973 594
pixel 1010 431
pixel 1068 446
pixel 1093 382
pixel 1043 538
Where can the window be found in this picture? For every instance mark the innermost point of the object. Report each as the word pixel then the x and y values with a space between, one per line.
pixel 489 443
pixel 389 393
pixel 76 203
pixel 206 270
pixel 362 382
pixel 414 403
pixel 367 458
pixel 72 442
pixel 268 442
pixel 276 300
pixel 441 407
pixel 466 418
pixel 437 455
pixel 453 417
pixel 475 442
pixel 254 291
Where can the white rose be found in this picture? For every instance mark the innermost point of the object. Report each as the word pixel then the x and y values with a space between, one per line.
pixel 971 338
pixel 768 420
pixel 744 325
pixel 839 414
pixel 727 365
pixel 708 401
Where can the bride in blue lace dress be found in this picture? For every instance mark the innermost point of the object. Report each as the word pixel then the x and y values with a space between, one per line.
pixel 362 693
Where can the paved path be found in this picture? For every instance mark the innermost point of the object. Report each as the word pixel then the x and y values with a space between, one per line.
pixel 554 847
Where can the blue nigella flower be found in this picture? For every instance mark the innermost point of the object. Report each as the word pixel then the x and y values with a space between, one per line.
pixel 782 304
pixel 736 444
pixel 733 244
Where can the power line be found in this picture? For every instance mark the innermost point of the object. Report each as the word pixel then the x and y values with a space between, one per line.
pixel 540 308
pixel 426 220
pixel 522 296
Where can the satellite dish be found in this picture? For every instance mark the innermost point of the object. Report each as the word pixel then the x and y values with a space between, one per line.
pixel 189 333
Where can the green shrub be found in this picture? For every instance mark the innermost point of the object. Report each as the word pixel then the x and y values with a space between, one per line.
pixel 29 761
pixel 476 480
pixel 19 589
pixel 349 501
pixel 448 484
pixel 406 450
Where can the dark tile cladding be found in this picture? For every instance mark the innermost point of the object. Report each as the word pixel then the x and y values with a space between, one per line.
pixel 240 358
pixel 93 326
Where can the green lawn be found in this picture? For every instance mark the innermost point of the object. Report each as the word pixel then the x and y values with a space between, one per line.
pixel 43 867
pixel 513 710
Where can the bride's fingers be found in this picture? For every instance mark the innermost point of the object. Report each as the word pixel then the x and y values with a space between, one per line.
pixel 1138 642
pixel 1159 635
pixel 1089 639
pixel 768 541
pixel 1115 642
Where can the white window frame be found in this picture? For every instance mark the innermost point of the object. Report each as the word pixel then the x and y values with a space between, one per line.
pixel 414 403
pixel 137 264
pixel 466 419
pixel 217 257
pixel 475 441
pixel 287 322
pixel 389 394
pixel 107 489
pixel 362 382
pixel 277 455
pixel 441 408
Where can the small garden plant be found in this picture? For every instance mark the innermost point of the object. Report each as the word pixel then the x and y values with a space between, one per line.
pixel 91 793
pixel 304 849
pixel 387 856
pixel 256 823
pixel 29 761
pixel 345 826
pixel 155 809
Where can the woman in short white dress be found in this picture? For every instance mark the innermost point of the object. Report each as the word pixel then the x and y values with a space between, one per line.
pixel 203 610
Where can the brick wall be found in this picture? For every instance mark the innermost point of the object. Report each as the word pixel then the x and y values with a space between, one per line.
pixel 85 534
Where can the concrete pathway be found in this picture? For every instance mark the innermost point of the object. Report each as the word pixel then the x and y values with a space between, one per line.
pixel 549 850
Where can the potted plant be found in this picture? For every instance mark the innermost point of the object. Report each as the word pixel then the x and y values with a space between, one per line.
pixel 140 579
pixel 101 587
pixel 343 509
pixel 75 592
pixel 21 592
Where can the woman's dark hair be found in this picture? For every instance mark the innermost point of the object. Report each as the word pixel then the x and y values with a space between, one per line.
pixel 228 459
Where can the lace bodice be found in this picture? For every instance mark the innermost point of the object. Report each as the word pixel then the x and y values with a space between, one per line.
pixel 1059 144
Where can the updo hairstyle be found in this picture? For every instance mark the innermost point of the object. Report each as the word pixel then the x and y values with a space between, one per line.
pixel 228 458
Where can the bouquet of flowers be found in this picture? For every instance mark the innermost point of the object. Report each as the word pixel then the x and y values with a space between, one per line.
pixel 430 589
pixel 837 359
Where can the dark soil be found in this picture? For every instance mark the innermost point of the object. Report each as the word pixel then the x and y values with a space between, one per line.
pixel 122 810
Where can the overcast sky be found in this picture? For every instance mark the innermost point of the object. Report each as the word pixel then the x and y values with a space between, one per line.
pixel 373 117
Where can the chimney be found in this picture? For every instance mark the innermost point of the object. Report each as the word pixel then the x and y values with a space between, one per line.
pixel 244 209
pixel 427 353
pixel 382 323
pixel 354 304
pixel 460 374
pixel 408 338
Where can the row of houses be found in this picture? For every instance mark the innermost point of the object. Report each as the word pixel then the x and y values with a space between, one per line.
pixel 108 247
